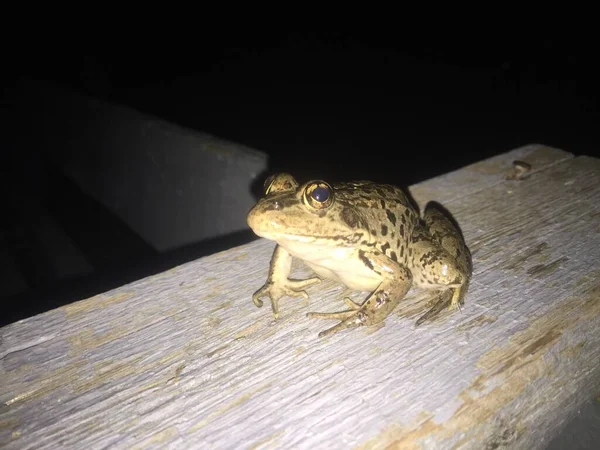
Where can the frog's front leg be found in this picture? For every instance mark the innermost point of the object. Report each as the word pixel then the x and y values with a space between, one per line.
pixel 397 281
pixel 278 284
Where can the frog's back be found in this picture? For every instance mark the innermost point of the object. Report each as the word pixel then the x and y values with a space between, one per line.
pixel 373 196
pixel 387 211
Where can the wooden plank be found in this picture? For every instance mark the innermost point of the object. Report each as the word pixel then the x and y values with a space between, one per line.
pixel 184 359
pixel 484 174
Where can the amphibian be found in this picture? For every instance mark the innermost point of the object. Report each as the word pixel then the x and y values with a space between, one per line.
pixel 364 235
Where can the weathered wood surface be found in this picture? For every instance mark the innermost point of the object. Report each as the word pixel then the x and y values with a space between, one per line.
pixel 184 359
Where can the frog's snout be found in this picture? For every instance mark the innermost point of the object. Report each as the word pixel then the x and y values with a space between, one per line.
pixel 253 218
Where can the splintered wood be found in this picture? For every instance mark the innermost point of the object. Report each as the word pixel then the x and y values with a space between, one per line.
pixel 184 359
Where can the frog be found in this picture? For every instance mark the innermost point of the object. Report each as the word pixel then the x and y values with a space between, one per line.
pixel 365 235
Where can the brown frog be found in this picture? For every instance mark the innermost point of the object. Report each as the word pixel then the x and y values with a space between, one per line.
pixel 364 235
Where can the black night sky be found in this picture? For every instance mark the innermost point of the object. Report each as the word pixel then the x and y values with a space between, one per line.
pixel 388 106
pixel 429 102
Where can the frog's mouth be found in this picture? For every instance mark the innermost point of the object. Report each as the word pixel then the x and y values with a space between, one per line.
pixel 275 236
pixel 322 241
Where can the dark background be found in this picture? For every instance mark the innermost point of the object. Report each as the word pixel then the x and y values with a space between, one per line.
pixel 386 106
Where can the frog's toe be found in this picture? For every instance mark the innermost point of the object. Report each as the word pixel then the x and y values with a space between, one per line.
pixel 301 284
pixel 352 304
pixel 339 327
pixel 262 292
pixel 432 313
pixel 295 288
pixel 352 319
pixel 294 292
pixel 342 315
pixel 444 301
pixel 458 297
pixel 348 319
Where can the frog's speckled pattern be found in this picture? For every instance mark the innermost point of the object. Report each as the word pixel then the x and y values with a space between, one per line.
pixel 364 235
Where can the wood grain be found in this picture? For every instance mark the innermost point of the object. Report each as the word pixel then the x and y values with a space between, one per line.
pixel 184 359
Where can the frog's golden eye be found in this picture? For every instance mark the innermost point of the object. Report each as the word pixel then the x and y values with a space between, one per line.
pixel 280 182
pixel 269 183
pixel 318 195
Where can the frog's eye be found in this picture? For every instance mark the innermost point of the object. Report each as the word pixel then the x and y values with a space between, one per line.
pixel 318 195
pixel 280 182
pixel 269 183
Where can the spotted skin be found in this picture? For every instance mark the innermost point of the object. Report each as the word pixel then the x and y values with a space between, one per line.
pixel 364 235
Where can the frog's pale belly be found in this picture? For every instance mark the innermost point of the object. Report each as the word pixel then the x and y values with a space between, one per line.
pixel 338 263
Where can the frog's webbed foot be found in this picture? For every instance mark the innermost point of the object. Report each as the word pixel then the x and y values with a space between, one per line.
pixel 274 290
pixel 446 300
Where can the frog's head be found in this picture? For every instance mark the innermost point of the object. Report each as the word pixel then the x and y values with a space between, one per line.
pixel 310 213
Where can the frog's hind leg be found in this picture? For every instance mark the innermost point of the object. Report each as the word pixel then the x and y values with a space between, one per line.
pixel 397 282
pixel 448 235
pixel 444 260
